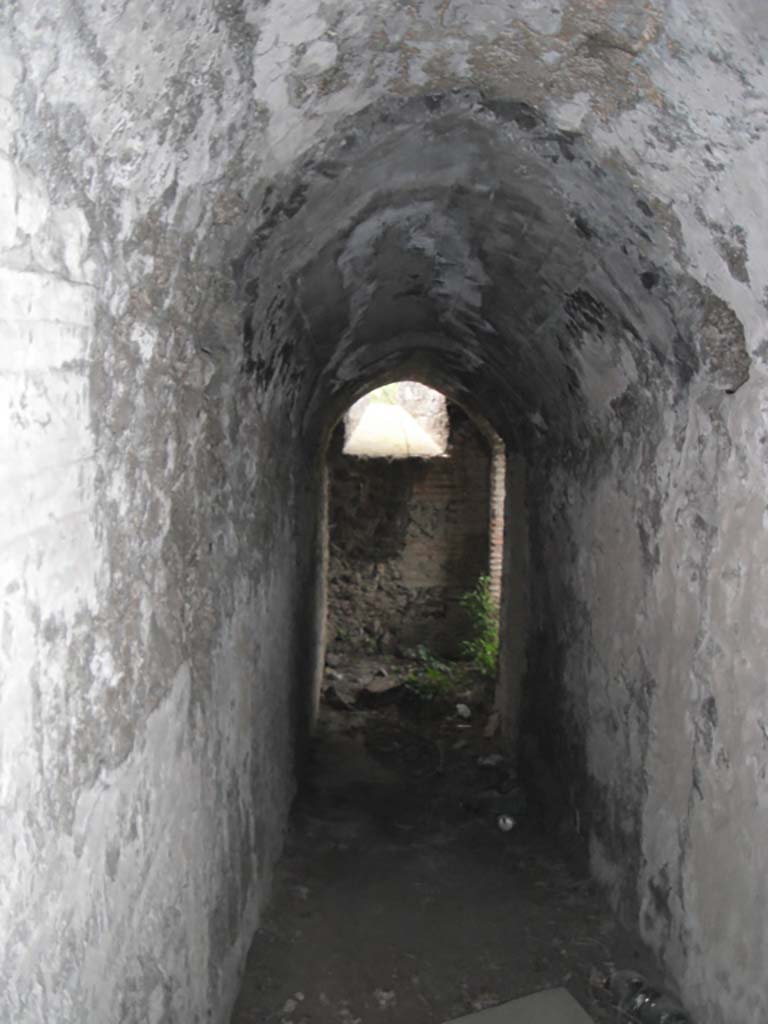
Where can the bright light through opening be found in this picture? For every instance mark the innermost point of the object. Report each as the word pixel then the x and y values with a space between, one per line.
pixel 404 420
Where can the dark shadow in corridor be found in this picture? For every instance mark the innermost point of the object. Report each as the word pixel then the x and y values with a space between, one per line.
pixel 400 898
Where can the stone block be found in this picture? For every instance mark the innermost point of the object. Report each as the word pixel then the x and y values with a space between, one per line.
pixel 554 1006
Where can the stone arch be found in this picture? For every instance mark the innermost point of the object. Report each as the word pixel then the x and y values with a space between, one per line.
pixel 499 248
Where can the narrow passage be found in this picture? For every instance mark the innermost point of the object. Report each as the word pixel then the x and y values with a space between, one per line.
pixel 399 897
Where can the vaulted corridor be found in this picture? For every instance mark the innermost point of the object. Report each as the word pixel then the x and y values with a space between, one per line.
pixel 223 222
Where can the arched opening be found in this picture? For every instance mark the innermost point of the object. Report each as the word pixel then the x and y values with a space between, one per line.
pixel 416 522
pixel 409 517
pixel 400 420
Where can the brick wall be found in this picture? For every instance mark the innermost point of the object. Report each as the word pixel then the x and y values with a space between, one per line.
pixel 496 501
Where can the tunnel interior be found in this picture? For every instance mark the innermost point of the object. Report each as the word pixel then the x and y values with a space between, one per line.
pixel 222 226
pixel 469 243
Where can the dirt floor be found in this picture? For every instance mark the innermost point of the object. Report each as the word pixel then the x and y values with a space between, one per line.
pixel 399 897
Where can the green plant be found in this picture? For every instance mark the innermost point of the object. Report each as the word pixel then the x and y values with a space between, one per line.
pixel 432 679
pixel 482 647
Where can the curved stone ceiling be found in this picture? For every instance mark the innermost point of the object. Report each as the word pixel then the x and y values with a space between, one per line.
pixel 489 252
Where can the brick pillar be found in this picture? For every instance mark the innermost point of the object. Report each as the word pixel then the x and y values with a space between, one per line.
pixel 514 606
pixel 496 517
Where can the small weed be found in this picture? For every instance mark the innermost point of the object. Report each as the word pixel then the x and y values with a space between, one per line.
pixel 482 649
pixel 432 679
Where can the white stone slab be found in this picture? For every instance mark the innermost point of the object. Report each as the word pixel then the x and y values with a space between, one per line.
pixel 555 1006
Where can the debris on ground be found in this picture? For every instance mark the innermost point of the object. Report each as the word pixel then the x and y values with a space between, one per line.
pixel 599 979
pixel 292 1004
pixel 504 798
pixel 640 1002
pixel 491 761
pixel 405 809
pixel 484 1001
pixel 385 998
pixel 379 692
pixel 347 1017
pixel 464 711
pixel 333 699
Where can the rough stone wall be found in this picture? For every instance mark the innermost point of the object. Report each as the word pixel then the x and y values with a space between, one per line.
pixel 156 554
pixel 147 725
pixel 646 577
pixel 407 539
